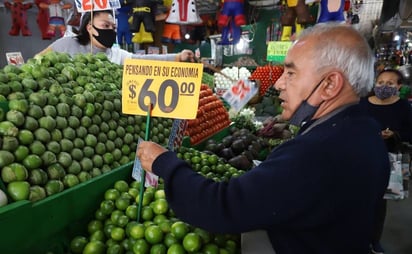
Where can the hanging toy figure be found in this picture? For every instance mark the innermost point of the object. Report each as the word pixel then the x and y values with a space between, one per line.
pixel 56 18
pixel 42 19
pixel 19 17
pixel 183 12
pixel 230 19
pixel 143 11
pixel 331 10
pixel 124 35
pixel 296 15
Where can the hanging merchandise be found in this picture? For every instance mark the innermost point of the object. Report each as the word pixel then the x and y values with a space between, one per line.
pixel 142 36
pixel 296 15
pixel 56 17
pixel 183 12
pixel 124 35
pixel 171 33
pixel 143 12
pixel 19 17
pixel 230 19
pixel 331 10
pixel 353 12
pixel 42 19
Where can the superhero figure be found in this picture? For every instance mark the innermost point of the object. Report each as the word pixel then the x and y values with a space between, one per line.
pixel 230 19
pixel 43 19
pixel 124 36
pixel 143 11
pixel 232 9
pixel 296 14
pixel 331 10
pixel 19 17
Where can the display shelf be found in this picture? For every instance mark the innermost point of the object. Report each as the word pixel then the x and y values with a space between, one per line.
pixel 49 224
pixel 218 136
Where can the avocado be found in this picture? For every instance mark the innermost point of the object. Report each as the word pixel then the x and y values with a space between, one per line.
pixel 240 162
pixel 227 141
pixel 226 153
pixel 238 146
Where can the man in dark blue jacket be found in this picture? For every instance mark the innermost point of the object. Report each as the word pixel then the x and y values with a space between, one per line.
pixel 316 193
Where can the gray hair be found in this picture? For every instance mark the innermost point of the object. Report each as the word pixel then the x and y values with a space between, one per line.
pixel 344 48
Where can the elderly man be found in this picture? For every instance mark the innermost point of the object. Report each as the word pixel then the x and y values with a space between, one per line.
pixel 316 193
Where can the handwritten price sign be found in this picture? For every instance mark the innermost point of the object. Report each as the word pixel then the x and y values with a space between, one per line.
pixel 276 50
pixel 172 88
pixel 95 5
pixel 240 93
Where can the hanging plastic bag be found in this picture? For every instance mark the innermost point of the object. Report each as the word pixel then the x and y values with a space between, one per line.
pixel 395 190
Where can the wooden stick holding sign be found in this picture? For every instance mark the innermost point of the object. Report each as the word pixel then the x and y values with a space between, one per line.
pixel 143 173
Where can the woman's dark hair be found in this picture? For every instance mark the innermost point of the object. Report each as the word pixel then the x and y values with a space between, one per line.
pixel 82 35
pixel 396 72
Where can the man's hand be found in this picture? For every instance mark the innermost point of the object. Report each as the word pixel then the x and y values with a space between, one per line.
pixel 147 152
pixel 187 55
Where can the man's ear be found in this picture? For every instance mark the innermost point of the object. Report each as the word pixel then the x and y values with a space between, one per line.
pixel 333 85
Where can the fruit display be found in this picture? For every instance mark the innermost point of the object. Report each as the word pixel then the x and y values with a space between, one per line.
pixel 211 117
pixel 268 75
pixel 64 124
pixel 3 198
pixel 239 149
pixel 208 79
pixel 115 229
pixel 234 73
pixel 209 164
pixel 269 105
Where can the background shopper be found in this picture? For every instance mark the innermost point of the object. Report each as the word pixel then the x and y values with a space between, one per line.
pixel 395 118
pixel 97 33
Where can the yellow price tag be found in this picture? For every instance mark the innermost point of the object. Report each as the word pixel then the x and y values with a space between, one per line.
pixel 172 88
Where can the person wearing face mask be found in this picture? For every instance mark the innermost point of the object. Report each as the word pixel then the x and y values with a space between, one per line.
pixel 395 118
pixel 316 193
pixel 97 33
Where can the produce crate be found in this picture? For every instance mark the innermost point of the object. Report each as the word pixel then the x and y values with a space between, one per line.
pixel 200 146
pixel 49 224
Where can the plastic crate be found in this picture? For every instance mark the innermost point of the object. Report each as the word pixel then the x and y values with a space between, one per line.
pixel 49 224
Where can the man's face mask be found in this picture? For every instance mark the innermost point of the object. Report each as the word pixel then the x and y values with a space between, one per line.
pixel 106 37
pixel 305 111
pixel 384 92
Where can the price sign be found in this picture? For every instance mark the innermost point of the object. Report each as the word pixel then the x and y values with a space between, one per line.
pixel 96 5
pixel 277 50
pixel 172 88
pixel 240 93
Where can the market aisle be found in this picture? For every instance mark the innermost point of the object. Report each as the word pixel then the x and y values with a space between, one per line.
pixel 397 234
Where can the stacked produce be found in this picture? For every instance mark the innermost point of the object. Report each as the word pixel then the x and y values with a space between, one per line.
pixel 268 75
pixel 234 73
pixel 208 79
pixel 209 164
pixel 269 104
pixel 211 117
pixel 115 229
pixel 64 124
pixel 239 148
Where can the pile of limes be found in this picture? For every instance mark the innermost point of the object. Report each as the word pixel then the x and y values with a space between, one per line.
pixel 209 165
pixel 64 124
pixel 114 228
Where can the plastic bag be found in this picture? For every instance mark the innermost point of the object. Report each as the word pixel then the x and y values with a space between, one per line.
pixel 395 190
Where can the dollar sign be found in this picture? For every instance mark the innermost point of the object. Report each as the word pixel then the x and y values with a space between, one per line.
pixel 132 91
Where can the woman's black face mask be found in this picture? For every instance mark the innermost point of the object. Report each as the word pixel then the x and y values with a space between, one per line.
pixel 106 37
